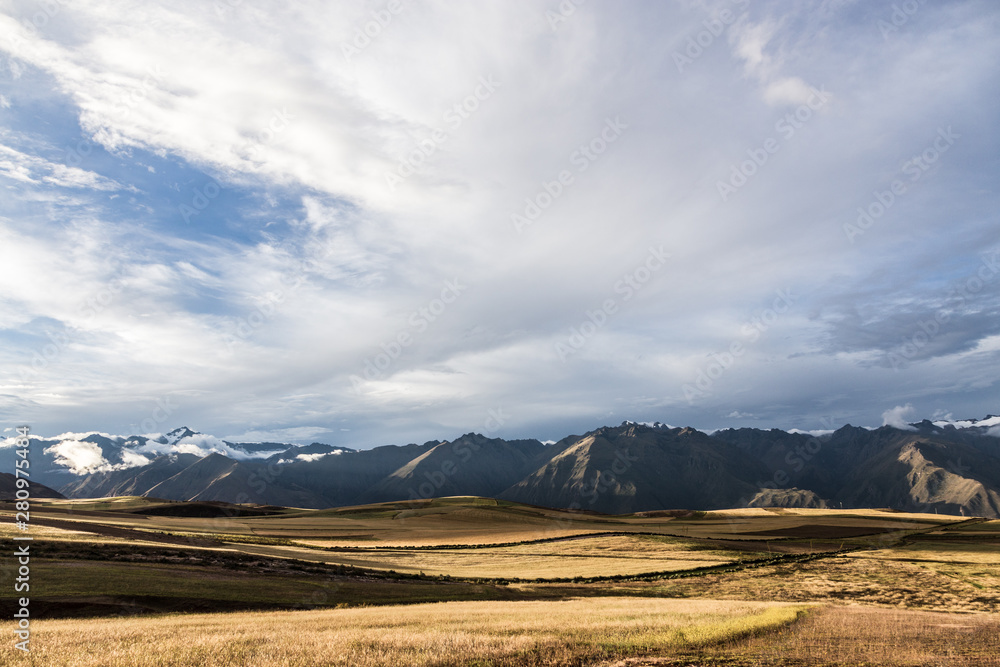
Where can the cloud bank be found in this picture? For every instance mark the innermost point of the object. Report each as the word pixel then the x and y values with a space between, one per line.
pixel 260 219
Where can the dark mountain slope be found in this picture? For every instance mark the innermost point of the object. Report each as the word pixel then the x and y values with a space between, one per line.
pixel 633 467
pixel 8 488
pixel 470 465
pixel 621 469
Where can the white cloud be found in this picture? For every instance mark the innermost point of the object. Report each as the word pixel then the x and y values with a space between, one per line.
pixel 131 459
pixel 200 444
pixel 897 417
pixel 33 170
pixel 79 457
pixel 789 90
pixel 316 457
pixel 749 42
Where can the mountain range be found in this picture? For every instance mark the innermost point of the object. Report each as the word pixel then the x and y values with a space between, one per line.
pixel 943 466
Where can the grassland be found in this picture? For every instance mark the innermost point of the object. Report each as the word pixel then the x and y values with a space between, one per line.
pixel 477 521
pixel 584 556
pixel 471 633
pixel 856 637
pixel 512 585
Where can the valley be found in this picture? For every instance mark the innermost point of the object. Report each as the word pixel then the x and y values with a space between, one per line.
pixel 586 588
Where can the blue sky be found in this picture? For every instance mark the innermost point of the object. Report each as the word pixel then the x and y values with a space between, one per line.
pixel 527 219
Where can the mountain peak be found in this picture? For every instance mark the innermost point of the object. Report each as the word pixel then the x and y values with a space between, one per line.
pixel 175 436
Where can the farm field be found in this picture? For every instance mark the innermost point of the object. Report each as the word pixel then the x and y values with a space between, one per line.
pixel 476 581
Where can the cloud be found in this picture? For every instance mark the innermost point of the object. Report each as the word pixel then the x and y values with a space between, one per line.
pixel 897 417
pixel 80 458
pixel 33 170
pixel 202 445
pixel 301 266
pixel 291 434
pixel 750 41
pixel 789 90
pixel 314 457
pixel 131 459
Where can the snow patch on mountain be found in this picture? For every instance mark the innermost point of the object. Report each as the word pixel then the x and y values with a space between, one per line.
pixel 992 422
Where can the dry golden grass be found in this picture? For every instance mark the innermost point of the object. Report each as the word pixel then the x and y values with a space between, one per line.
pixel 986 553
pixel 8 530
pixel 854 637
pixel 467 520
pixel 97 504
pixel 884 637
pixel 582 557
pixel 453 633
pixel 755 523
pixel 837 580
pixel 865 513
pixel 970 566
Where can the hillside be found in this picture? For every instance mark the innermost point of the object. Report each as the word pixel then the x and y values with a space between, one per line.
pixel 927 467
pixel 8 488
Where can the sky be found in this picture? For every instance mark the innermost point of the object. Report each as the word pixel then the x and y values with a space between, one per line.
pixel 390 222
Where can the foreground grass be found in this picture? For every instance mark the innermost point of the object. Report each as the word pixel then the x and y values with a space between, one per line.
pixel 839 635
pixel 454 633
